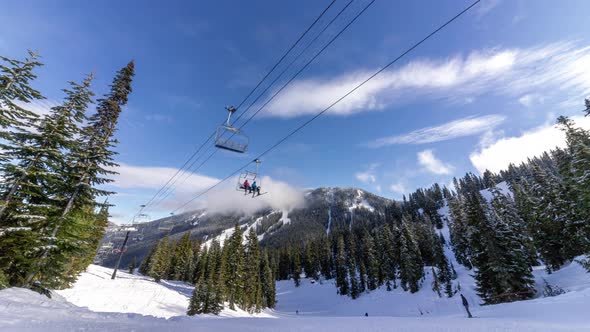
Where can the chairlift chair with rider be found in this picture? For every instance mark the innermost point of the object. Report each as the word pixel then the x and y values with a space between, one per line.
pixel 230 138
pixel 251 177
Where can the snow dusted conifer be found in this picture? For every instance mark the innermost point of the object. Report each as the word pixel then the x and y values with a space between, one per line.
pixel 252 285
pixel 15 90
pixel 161 260
pixel 267 281
pixel 411 261
pixel 296 268
pixel 435 283
pixel 233 252
pixel 183 259
pixel 340 267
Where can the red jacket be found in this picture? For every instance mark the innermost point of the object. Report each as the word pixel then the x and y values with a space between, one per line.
pixel 246 184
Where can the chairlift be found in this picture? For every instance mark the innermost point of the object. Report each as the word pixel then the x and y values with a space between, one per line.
pixel 167 224
pixel 230 138
pixel 251 177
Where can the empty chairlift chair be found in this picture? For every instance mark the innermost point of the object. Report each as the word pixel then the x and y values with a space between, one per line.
pixel 231 138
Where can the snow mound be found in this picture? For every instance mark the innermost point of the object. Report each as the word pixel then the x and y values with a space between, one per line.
pixel 128 293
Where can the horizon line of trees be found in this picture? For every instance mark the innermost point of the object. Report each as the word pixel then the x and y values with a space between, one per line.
pixel 51 167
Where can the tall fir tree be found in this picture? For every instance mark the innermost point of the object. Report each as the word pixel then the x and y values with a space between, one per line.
pixel 233 252
pixel 252 284
pixel 411 262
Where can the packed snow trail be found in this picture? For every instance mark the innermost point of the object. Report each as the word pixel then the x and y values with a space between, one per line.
pixel 320 308
pixel 23 309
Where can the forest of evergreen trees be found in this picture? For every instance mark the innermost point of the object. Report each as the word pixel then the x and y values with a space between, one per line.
pixel 239 274
pixel 543 218
pixel 51 222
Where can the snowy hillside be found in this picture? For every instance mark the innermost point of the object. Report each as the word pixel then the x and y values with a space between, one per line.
pixel 137 303
pixel 130 303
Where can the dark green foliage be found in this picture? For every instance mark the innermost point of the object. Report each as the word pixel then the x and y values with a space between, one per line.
pixel 296 268
pixel 411 261
pixel 50 221
pixel 160 262
pixel 132 266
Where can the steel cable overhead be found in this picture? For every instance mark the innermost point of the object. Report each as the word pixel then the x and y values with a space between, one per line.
pixel 169 191
pixel 303 125
pixel 182 169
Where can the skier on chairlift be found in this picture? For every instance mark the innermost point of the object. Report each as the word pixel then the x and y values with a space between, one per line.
pixel 255 189
pixel 247 187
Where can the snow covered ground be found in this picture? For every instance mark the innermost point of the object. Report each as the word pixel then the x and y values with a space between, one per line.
pixel 135 303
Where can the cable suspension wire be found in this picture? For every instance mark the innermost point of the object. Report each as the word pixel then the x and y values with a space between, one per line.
pixel 189 174
pixel 303 125
pixel 182 169
pixel 167 192
pixel 293 61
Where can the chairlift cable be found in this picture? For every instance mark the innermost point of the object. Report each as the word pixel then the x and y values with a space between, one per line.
pixel 286 53
pixel 293 61
pixel 168 192
pixel 303 125
pixel 182 169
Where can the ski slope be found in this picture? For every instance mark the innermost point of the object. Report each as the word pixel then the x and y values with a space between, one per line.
pixel 135 303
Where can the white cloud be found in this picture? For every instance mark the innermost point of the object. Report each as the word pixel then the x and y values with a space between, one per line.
pixel 223 198
pixel 529 100
pixel 398 187
pixel 499 154
pixel 428 160
pixel 486 6
pixel 148 177
pixel 454 129
pixel 369 175
pixel 558 68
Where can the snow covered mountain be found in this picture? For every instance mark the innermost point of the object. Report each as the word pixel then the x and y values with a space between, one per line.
pixel 324 209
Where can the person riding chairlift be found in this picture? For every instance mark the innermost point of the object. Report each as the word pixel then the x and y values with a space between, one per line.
pixel 247 187
pixel 255 189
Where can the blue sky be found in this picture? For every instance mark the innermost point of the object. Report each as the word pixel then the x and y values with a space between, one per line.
pixel 480 94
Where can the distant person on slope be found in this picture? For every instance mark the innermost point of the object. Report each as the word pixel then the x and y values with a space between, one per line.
pixel 246 187
pixel 466 305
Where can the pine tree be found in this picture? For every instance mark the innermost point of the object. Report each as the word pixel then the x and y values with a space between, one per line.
pixel 411 262
pixel 214 280
pixel 15 90
pixel 88 162
pixel 252 282
pixel 132 265
pixel 233 252
pixel 351 266
pixel 296 268
pixel 549 216
pixel 340 266
pixel 161 260
pixel 370 260
pixel 183 258
pixel 144 267
pixel 326 261
pixel 32 185
pixel 435 283
pixel 389 264
pixel 267 281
